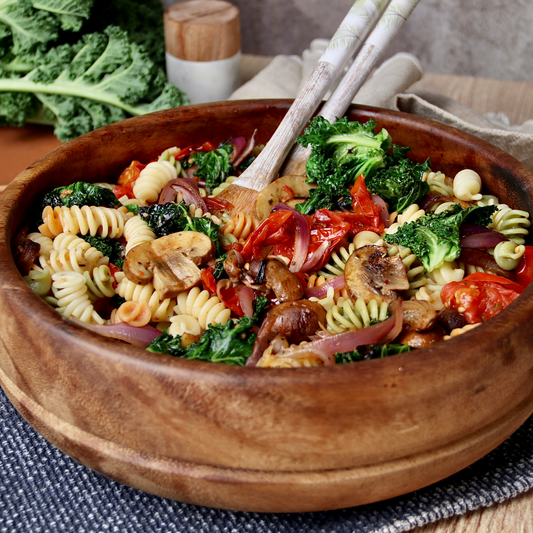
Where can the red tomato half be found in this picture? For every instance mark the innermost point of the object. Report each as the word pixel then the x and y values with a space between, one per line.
pixel 480 296
pixel 366 211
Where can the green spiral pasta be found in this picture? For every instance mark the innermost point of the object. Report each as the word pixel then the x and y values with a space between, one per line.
pixel 355 315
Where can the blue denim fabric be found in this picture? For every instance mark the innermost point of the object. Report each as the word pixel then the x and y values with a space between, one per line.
pixel 42 490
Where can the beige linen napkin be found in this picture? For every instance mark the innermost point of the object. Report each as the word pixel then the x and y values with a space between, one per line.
pixel 388 87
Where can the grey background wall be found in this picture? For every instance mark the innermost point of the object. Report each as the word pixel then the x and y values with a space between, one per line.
pixel 484 38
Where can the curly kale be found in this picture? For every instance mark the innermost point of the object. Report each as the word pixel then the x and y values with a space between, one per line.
pixel 80 193
pixel 109 247
pixel 435 238
pixel 372 351
pixel 340 152
pixel 230 344
pixel 219 272
pixel 213 166
pixel 400 182
pixel 168 218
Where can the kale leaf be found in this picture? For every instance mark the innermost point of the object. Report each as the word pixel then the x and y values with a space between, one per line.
pixel 400 183
pixel 109 247
pixel 371 351
pixel 80 193
pixel 168 218
pixel 340 152
pixel 213 166
pixel 230 344
pixel 435 238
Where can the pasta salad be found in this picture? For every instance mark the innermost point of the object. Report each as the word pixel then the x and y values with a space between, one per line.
pixel 369 255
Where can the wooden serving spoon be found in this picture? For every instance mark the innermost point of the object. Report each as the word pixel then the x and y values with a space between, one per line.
pixel 242 193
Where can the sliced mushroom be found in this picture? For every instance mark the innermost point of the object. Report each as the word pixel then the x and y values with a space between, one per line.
pixel 371 274
pixel 171 262
pixel 276 276
pixel 296 321
pixel 272 194
pixel 419 315
pixel 233 265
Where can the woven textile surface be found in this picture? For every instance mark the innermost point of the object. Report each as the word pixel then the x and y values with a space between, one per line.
pixel 42 490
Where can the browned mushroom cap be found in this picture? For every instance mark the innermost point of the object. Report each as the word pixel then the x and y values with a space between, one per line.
pixel 419 315
pixel 171 262
pixel 296 321
pixel 275 274
pixel 421 339
pixel 371 274
pixel 233 265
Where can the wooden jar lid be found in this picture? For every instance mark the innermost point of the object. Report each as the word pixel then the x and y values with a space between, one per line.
pixel 202 30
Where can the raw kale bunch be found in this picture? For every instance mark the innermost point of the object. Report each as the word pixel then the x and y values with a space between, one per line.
pixel 80 193
pixel 168 218
pixel 230 344
pixel 51 74
pixel 213 166
pixel 400 182
pixel 435 238
pixel 340 152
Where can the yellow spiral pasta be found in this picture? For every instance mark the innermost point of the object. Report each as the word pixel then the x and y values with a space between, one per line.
pixel 202 306
pixel 161 310
pixel 39 280
pixel 152 179
pixel 103 221
pixel 467 185
pixel 507 254
pixel 100 284
pixel 70 290
pixel 137 231
pixel 333 298
pixel 459 331
pixel 513 223
pixel 180 324
pixel 367 238
pixel 415 269
pixel 412 213
pixel 224 185
pixel 337 262
pixel 435 281
pixel 355 315
pixel 240 225
pixel 315 281
pixel 438 184
pixel 82 249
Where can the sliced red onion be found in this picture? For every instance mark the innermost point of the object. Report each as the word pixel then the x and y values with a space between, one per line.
pixel 350 340
pixel 315 257
pixel 471 229
pixel 482 241
pixel 482 259
pixel 140 337
pixel 187 187
pixel 397 313
pixel 384 215
pixel 238 144
pixel 338 282
pixel 301 244
pixel 190 171
pixel 246 299
pixel 246 151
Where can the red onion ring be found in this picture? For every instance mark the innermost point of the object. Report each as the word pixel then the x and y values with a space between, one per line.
pixel 246 299
pixel 238 144
pixel 384 215
pixel 301 244
pixel 350 340
pixel 140 337
pixel 247 150
pixel 315 257
pixel 482 240
pixel 338 282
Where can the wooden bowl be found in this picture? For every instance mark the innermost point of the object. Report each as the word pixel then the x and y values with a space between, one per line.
pixel 251 439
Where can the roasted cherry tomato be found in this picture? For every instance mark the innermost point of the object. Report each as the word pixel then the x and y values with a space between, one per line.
pixel 480 296
pixel 114 270
pixel 228 295
pixel 127 180
pixel 524 271
pixel 364 206
pixel 208 280
pixel 186 152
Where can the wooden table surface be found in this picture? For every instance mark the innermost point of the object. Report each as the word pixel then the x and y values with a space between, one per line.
pixel 20 147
